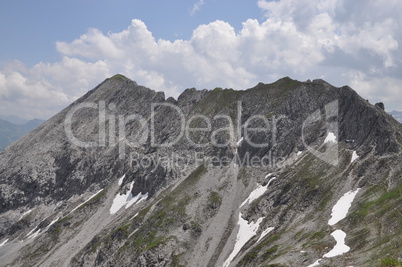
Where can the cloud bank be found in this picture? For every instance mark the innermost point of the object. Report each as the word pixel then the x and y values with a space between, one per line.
pixel 343 42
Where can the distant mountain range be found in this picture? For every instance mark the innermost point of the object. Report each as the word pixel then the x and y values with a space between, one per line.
pixel 13 119
pixel 397 115
pixel 11 131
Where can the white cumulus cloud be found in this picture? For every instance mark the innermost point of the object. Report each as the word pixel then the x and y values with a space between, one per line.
pixel 344 42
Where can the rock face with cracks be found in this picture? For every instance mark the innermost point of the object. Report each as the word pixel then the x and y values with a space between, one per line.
pixel 187 189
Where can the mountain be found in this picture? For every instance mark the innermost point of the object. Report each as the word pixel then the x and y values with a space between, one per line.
pixel 283 174
pixel 13 119
pixel 397 115
pixel 10 132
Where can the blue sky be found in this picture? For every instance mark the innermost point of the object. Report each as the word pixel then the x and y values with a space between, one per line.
pixel 53 51
pixel 31 28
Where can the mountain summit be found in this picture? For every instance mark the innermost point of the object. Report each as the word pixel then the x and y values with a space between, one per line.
pixel 283 174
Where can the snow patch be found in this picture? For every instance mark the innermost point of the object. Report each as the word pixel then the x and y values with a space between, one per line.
pixel 52 222
pixel 30 232
pixel 121 200
pixel 133 233
pixel 339 212
pixel 33 235
pixel 331 137
pixel 121 180
pixel 25 214
pixel 245 233
pixel 315 263
pixel 341 208
pixel 265 232
pixel 340 246
pixel 85 202
pixel 259 191
pixel 268 175
pixel 137 199
pixel 248 230
pixel 135 215
pixel 239 142
pixel 354 157
pixel 4 242
pixel 126 200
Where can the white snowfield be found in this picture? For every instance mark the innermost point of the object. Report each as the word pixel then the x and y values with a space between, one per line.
pixel 331 137
pixel 354 157
pixel 341 208
pixel 256 193
pixel 339 212
pixel 246 232
pixel 121 200
pixel 340 246
pixel 126 200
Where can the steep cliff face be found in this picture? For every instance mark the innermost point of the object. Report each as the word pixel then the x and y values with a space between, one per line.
pixel 126 177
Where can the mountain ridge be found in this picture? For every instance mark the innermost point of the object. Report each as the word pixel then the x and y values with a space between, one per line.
pixel 193 207
pixel 14 119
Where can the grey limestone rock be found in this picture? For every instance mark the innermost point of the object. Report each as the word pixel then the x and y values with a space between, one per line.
pixel 191 215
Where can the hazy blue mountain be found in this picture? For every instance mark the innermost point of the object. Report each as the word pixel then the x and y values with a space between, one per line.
pixel 10 132
pixel 13 119
pixel 397 115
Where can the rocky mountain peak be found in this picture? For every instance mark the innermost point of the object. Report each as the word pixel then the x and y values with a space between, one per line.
pixel 217 177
